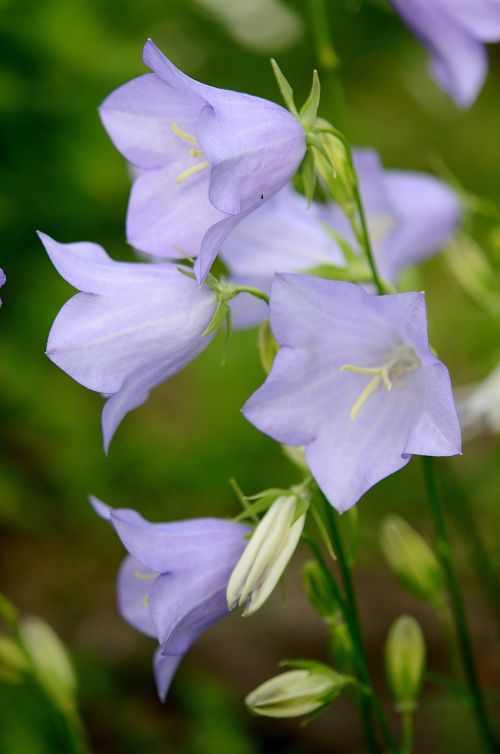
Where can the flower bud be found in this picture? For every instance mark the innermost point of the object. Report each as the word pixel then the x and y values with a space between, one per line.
pixel 405 661
pixel 296 692
pixel 412 560
pixel 50 660
pixel 334 168
pixel 266 555
pixel 319 590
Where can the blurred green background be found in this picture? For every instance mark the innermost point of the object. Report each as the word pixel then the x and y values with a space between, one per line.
pixel 173 457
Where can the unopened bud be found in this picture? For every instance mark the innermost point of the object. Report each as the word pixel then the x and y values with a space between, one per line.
pixel 334 168
pixel 50 660
pixel 296 692
pixel 412 560
pixel 405 661
pixel 266 556
pixel 319 590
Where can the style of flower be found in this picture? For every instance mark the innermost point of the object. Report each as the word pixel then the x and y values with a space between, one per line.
pixel 172 585
pixel 355 382
pixel 454 31
pixel 133 326
pixel 210 157
pixel 410 216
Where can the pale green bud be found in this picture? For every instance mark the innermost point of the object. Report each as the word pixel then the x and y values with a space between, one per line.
pixel 266 556
pixel 13 661
pixel 50 660
pixel 296 692
pixel 405 661
pixel 412 560
pixel 319 590
pixel 334 168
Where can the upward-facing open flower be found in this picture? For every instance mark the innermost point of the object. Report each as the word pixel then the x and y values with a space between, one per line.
pixel 355 382
pixel 410 216
pixel 210 157
pixel 454 32
pixel 133 326
pixel 172 585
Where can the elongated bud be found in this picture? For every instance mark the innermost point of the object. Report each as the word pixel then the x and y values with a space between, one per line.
pixel 333 167
pixel 405 661
pixel 266 555
pixel 412 560
pixel 13 662
pixel 50 660
pixel 319 590
pixel 296 692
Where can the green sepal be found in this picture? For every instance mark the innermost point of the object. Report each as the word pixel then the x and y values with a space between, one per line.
pixel 308 175
pixel 220 316
pixel 323 531
pixel 351 274
pixel 284 87
pixel 268 347
pixel 309 110
pixel 260 504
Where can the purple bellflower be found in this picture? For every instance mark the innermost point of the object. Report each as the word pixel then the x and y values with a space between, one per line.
pixel 355 382
pixel 172 585
pixel 2 281
pixel 410 216
pixel 133 326
pixel 454 31
pixel 209 157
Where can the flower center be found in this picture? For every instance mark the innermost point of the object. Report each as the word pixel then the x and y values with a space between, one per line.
pixel 193 151
pixel 402 359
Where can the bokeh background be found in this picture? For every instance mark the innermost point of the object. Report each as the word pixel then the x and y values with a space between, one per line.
pixel 173 457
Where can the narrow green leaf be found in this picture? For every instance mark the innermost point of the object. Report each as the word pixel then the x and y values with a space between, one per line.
pixel 284 87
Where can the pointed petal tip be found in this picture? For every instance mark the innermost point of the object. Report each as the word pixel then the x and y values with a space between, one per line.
pixel 102 510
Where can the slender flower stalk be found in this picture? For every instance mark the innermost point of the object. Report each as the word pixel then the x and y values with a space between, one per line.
pixel 462 629
pixel 352 617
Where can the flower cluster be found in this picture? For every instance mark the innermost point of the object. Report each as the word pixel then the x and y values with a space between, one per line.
pixel 354 381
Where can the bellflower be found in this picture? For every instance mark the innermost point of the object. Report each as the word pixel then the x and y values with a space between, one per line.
pixel 172 585
pixel 132 327
pixel 2 281
pixel 410 216
pixel 454 31
pixel 210 157
pixel 355 382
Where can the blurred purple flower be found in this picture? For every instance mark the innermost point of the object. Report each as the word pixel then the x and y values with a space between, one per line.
pixel 410 216
pixel 172 586
pixel 133 326
pixel 2 281
pixel 355 382
pixel 210 156
pixel 454 32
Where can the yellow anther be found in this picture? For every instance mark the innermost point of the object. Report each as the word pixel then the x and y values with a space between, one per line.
pixel 145 600
pixel 380 374
pixel 183 134
pixel 195 152
pixel 191 171
pixel 144 576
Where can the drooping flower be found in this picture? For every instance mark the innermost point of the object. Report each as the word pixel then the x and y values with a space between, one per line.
pixel 355 382
pixel 410 216
pixel 454 31
pixel 172 585
pixel 132 327
pixel 210 157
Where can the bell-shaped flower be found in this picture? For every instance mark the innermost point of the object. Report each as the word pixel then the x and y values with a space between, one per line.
pixel 410 216
pixel 132 327
pixel 210 157
pixel 355 382
pixel 454 32
pixel 172 585
pixel 266 556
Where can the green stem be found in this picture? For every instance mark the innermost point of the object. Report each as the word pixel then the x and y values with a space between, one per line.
pixel 352 618
pixel 325 51
pixel 364 229
pixel 252 291
pixel 407 725
pixel 461 627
